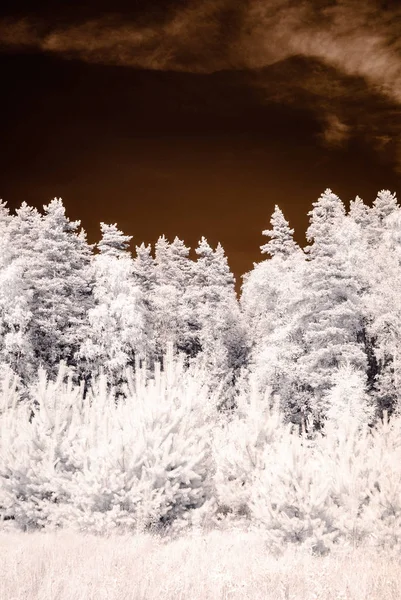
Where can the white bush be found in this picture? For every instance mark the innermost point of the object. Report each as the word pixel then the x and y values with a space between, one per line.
pixel 341 486
pixel 161 456
pixel 97 464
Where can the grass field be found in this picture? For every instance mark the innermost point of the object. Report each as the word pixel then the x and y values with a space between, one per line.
pixel 215 565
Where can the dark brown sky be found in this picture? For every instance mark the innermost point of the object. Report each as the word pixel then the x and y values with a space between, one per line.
pixel 195 118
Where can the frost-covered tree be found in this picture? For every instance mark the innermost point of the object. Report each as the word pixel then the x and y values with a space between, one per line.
pixel 116 331
pixel 16 345
pixel 360 213
pixel 45 289
pixel 331 316
pixel 173 276
pixel 114 242
pixel 348 398
pixel 377 247
pixel 384 205
pixel 15 348
pixel 269 301
pixel 281 241
pixel 5 249
pixel 381 298
pixel 59 278
pixel 222 332
pixel 304 315
pixel 143 269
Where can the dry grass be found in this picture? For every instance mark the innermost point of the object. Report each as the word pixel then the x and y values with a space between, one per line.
pixel 216 565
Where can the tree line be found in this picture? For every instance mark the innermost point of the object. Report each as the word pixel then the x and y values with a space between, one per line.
pixel 319 326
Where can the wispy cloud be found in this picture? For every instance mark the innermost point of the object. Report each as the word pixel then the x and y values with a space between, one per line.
pixel 192 39
pixel 358 39
pixel 335 132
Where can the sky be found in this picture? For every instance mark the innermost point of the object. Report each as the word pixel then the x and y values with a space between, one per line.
pixel 196 117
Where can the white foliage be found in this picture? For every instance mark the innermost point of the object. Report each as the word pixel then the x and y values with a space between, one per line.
pixel 97 464
pixel 146 447
pixel 348 399
pixel 238 445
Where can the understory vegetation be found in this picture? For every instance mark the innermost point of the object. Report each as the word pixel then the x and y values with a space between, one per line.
pixel 164 458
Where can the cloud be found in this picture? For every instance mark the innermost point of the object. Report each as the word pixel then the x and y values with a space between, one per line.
pixel 335 132
pixel 358 39
pixel 19 33
pixel 355 37
pixel 193 39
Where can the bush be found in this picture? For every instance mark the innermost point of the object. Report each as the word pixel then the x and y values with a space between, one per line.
pixel 98 464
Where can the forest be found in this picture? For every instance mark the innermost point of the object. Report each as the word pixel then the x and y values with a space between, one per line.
pixel 139 393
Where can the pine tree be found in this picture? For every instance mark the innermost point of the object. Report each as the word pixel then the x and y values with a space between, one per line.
pixel 59 277
pixel 15 313
pixel 360 213
pixel 281 236
pixel 143 270
pixel 116 324
pixel 221 329
pixel 5 220
pixel 359 248
pixel 101 465
pixel 384 205
pixel 113 243
pixel 269 301
pixel 173 276
pixel 348 398
pixel 383 273
pixel 331 314
pixel 267 288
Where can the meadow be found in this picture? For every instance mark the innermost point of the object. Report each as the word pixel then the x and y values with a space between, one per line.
pixel 211 565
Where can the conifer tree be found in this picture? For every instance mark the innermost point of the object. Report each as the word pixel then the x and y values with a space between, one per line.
pixel 5 249
pixel 144 267
pixel 382 301
pixel 269 301
pixel 116 326
pixel 143 270
pixel 221 328
pixel 173 276
pixel 360 213
pixel 60 279
pixel 51 261
pixel 384 205
pixel 331 314
pixel 281 236
pixel 358 245
pixel 15 314
pixel 113 242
